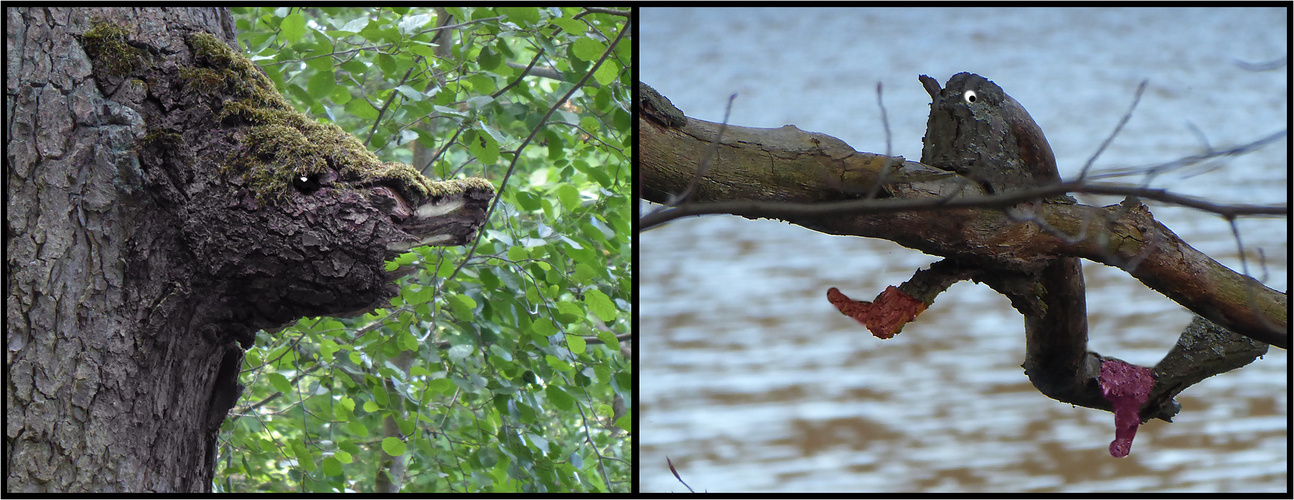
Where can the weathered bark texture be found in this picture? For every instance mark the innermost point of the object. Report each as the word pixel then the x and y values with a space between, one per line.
pixel 762 172
pixel 165 204
pixel 779 173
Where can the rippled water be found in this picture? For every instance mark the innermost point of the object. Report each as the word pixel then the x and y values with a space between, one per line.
pixel 751 381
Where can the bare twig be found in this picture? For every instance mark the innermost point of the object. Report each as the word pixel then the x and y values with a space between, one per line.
pixel 885 122
pixel 709 156
pixel 782 210
pixel 1122 121
pixel 1186 161
pixel 676 476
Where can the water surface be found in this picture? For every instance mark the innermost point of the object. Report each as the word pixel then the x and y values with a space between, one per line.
pixel 751 381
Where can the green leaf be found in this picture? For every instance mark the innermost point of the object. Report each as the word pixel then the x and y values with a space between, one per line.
pixel 569 312
pixel 410 93
pixel 570 26
pixel 489 59
pixel 361 109
pixel 387 63
pixel 528 201
pixel 355 67
pixel 294 26
pixel 482 84
pixel 575 343
pixel 557 363
pixel 322 64
pixel 280 383
pixel 499 351
pixel 343 457
pixel 320 85
pixel 600 304
pixel 412 24
pixel 523 16
pixel 331 466
pixel 585 274
pixel 545 327
pixel 460 352
pixel 588 49
pixel 343 412
pixel 602 371
pixel 340 95
pixel 304 459
pixel 610 340
pixel 356 25
pixel 560 398
pixel 568 196
pixel 416 294
pixel 327 348
pixel 607 72
pixel 427 50
pixel 462 305
pixel 484 148
pixel 441 385
pixel 393 446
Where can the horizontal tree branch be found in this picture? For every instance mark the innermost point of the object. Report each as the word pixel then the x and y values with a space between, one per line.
pixel 821 183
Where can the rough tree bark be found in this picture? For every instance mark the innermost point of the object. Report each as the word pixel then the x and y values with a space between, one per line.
pixel 788 174
pixel 778 173
pixel 164 203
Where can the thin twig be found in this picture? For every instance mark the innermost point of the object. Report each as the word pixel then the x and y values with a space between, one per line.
pixel 676 476
pixel 1122 121
pixel 784 210
pixel 885 122
pixel 709 156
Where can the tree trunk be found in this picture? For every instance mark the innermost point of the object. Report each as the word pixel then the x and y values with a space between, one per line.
pixel 165 203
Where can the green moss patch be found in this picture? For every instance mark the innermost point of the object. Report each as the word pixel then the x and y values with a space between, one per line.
pixel 283 143
pixel 106 45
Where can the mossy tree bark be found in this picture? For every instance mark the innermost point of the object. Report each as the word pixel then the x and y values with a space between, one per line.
pixel 139 266
pixel 111 385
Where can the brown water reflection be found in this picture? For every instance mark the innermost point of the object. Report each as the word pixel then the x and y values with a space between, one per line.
pixel 752 382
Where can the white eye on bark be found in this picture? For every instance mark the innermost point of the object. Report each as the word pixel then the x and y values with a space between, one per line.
pixel 307 184
pixel 969 96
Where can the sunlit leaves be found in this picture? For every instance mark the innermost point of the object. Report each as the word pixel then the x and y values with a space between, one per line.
pixel 600 304
pixel 393 446
pixel 588 49
pixel 294 26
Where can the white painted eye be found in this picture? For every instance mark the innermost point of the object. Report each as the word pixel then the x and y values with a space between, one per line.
pixel 969 96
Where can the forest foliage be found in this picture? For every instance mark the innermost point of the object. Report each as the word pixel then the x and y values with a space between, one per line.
pixel 499 366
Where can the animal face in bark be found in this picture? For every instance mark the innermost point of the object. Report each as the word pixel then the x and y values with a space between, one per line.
pixel 977 130
pixel 282 216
